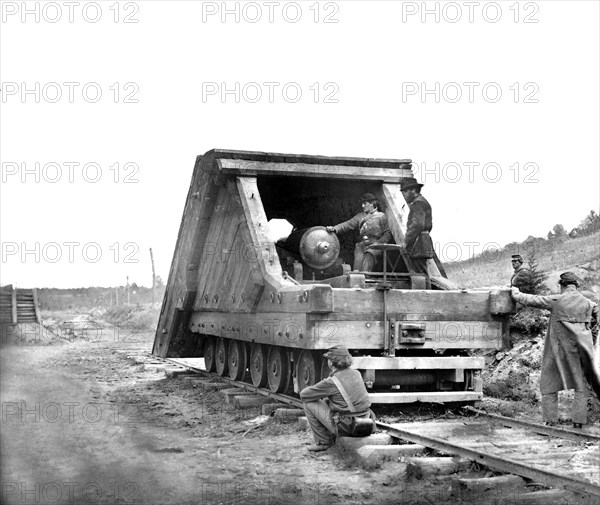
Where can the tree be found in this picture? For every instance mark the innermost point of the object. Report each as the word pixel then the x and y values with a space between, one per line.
pixel 557 233
pixel 590 224
pixel 537 279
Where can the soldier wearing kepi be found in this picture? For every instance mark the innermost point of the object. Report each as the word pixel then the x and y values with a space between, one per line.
pixel 568 350
pixel 339 404
pixel 522 276
pixel 417 241
pixel 373 227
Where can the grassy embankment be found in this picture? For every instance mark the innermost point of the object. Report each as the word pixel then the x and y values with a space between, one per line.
pixel 581 255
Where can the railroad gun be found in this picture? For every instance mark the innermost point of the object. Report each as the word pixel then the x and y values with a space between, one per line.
pixel 262 309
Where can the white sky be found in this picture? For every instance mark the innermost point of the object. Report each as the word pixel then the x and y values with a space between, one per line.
pixel 373 52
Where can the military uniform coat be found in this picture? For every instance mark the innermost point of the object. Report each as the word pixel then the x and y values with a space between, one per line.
pixel 354 385
pixel 521 277
pixel 372 225
pixel 417 240
pixel 568 349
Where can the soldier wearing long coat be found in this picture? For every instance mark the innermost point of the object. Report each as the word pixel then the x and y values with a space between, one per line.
pixel 417 242
pixel 568 350
pixel 372 225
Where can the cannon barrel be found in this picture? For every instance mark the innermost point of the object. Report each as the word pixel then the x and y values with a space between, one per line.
pixel 316 246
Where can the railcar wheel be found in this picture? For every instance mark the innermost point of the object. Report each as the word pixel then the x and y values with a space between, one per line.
pixel 258 365
pixel 237 360
pixel 325 370
pixel 469 376
pixel 221 357
pixel 278 369
pixel 210 354
pixel 307 370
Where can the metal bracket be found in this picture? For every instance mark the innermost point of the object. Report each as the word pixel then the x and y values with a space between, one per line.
pixel 410 333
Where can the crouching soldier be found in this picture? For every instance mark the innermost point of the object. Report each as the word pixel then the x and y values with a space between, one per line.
pixel 339 404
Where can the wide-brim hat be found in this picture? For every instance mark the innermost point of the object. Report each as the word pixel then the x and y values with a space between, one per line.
pixel 408 183
pixel 570 278
pixel 338 351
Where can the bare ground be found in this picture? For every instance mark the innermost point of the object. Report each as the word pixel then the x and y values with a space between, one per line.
pixel 82 423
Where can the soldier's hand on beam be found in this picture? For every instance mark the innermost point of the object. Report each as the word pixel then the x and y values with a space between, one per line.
pixel 514 291
pixel 330 229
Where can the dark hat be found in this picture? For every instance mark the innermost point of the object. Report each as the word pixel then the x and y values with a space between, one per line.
pixel 339 351
pixel 569 278
pixel 408 183
pixel 368 197
pixel 517 257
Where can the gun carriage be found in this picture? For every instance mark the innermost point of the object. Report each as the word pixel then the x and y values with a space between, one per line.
pixel 263 309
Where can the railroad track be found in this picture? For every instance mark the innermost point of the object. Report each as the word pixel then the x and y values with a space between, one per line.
pixel 550 456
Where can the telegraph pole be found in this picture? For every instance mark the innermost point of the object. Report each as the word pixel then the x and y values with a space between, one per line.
pixel 153 275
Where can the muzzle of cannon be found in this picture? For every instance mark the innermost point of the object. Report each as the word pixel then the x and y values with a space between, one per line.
pixel 319 248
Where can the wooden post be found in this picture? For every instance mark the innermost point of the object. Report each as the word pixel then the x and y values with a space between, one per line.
pixel 153 275
pixel 128 300
pixel 117 296
pixel 36 306
pixel 14 306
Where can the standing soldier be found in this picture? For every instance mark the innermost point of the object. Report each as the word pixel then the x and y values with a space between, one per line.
pixel 522 276
pixel 373 227
pixel 417 241
pixel 568 350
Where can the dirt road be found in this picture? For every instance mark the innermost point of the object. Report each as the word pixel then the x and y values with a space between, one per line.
pixel 82 423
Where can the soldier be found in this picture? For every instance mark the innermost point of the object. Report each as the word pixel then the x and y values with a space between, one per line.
pixel 522 276
pixel 373 227
pixel 417 241
pixel 347 401
pixel 568 350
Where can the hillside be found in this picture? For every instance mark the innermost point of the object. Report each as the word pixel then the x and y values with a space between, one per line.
pixel 511 377
pixel 580 255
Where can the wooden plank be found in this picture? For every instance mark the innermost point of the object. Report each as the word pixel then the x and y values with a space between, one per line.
pixel 395 212
pixel 441 397
pixel 416 363
pixel 223 240
pixel 368 334
pixel 262 328
pixel 236 273
pixel 236 264
pixel 256 220
pixel 241 268
pixel 306 158
pixel 190 242
pixel 248 282
pixel 544 497
pixel 419 467
pixel 395 205
pixel 14 306
pixel 483 484
pixel 246 168
pixel 376 454
pixel 470 305
pixel 494 462
pixel 215 240
pixel 306 298
pixel 252 291
pixel 210 254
